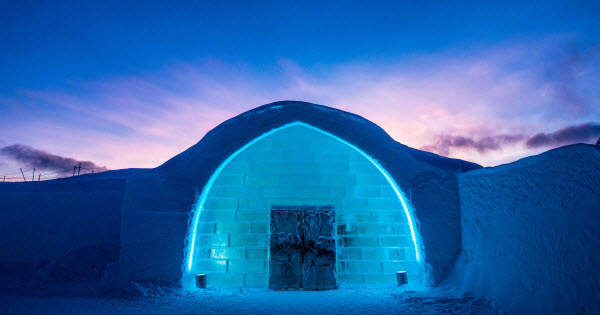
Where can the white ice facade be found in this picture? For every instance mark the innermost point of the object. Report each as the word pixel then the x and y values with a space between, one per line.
pixel 298 164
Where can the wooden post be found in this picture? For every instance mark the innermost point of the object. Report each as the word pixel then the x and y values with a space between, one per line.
pixel 33 176
pixel 74 168
pixel 79 169
pixel 23 174
pixel 39 175
pixel 4 179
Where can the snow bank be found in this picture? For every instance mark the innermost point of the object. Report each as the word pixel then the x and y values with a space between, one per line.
pixel 60 230
pixel 530 232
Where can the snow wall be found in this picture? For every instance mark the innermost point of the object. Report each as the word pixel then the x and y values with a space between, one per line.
pixel 60 230
pixel 158 204
pixel 531 232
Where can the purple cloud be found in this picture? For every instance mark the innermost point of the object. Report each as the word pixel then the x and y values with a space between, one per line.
pixel 444 143
pixel 42 160
pixel 573 134
pixel 585 133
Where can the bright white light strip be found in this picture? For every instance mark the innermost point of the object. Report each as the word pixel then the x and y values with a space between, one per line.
pixel 209 184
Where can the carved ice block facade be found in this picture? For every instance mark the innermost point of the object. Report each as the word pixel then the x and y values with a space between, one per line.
pixel 299 165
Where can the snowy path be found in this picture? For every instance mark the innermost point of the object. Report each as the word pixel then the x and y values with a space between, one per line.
pixel 253 301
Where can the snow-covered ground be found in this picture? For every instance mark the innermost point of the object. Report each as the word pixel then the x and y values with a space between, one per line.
pixel 383 300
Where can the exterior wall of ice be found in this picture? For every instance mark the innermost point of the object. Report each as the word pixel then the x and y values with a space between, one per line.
pixel 59 230
pixel 530 233
pixel 301 166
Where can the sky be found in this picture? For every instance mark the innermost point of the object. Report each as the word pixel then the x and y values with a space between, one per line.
pixel 131 84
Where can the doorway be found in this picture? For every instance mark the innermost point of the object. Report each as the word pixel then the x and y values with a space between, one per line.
pixel 302 251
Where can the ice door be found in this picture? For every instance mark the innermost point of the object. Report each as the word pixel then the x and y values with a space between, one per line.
pixel 302 248
pixel 318 266
pixel 286 250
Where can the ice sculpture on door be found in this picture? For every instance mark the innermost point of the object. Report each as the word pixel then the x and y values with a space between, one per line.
pixel 302 248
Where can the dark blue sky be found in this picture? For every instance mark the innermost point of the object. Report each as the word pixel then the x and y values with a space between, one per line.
pixel 91 80
pixel 46 43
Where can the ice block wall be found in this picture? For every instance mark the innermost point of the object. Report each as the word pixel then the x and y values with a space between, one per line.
pixel 302 166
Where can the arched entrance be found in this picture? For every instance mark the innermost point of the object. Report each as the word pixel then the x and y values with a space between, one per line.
pixel 300 165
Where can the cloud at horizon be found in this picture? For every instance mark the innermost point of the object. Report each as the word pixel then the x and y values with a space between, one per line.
pixel 479 104
pixel 33 158
pixel 571 134
pixel 444 143
pixel 585 133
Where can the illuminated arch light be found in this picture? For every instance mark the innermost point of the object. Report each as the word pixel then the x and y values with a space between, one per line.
pixel 199 207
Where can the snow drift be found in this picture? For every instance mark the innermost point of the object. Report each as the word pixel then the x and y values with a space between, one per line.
pixel 530 232
pixel 57 231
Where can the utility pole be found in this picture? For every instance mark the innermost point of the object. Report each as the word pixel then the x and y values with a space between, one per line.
pixel 79 169
pixel 33 176
pixel 39 175
pixel 23 174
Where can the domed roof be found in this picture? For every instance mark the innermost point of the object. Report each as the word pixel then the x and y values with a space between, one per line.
pixel 229 136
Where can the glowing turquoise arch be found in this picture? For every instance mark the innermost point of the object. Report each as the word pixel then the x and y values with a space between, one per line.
pixel 199 205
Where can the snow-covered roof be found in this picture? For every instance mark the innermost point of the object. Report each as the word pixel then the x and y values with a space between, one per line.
pixel 234 133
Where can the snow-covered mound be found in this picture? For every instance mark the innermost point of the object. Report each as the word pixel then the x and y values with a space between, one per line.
pixel 60 230
pixel 530 232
